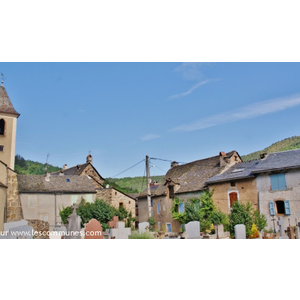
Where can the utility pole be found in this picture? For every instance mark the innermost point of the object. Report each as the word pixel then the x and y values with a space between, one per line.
pixel 148 186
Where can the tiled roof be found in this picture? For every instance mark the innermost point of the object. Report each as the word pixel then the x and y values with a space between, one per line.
pixel 272 162
pixel 192 176
pixel 5 104
pixel 238 171
pixel 76 170
pixel 63 184
pixel 279 161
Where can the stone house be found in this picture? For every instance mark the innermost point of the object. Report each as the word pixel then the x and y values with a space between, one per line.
pixel 271 184
pixel 42 197
pixel 110 195
pixel 10 208
pixel 183 182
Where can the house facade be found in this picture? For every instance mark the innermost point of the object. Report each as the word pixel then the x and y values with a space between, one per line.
pixel 271 184
pixel 183 182
pixel 42 197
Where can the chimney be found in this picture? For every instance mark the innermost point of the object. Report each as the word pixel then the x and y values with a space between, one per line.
pixel 174 164
pixel 47 177
pixel 263 155
pixel 89 159
pixel 65 167
pixel 223 159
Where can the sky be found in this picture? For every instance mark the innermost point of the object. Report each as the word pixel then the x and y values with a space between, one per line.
pixel 121 112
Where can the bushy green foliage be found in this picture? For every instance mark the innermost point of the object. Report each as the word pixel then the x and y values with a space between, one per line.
pixel 28 167
pixel 242 213
pixel 130 184
pixel 99 210
pixel 151 223
pixel 283 145
pixel 200 209
pixel 144 235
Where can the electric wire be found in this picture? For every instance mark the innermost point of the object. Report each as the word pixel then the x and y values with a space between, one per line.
pixel 180 162
pixel 128 168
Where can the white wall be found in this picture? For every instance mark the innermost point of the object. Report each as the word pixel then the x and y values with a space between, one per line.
pixel 292 193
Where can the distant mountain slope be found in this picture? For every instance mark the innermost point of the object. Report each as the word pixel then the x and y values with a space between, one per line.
pixel 29 167
pixel 286 144
pixel 130 184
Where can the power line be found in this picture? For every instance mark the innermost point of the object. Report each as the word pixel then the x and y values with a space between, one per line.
pixel 167 160
pixel 128 169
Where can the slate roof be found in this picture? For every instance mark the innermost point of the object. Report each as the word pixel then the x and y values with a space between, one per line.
pixel 5 104
pixel 61 184
pixel 272 162
pixel 76 170
pixel 192 176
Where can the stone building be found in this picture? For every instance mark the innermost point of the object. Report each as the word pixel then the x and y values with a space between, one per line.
pixel 183 182
pixel 10 208
pixel 271 184
pixel 110 195
pixel 42 197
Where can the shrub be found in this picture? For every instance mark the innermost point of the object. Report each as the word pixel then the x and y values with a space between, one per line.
pixel 144 235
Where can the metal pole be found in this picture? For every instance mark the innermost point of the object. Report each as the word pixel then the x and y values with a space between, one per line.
pixel 148 186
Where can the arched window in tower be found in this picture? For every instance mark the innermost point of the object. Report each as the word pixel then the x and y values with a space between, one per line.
pixel 2 123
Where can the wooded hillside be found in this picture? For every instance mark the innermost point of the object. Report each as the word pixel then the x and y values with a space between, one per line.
pixel 283 145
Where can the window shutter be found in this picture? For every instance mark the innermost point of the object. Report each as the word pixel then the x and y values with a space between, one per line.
pixel 158 208
pixel 287 207
pixel 281 182
pixel 272 208
pixel 274 182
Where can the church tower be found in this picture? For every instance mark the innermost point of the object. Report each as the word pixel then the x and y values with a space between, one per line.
pixel 8 129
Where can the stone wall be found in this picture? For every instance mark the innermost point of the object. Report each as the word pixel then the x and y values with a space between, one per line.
pixel 90 171
pixel 14 208
pixel 115 198
pixel 245 189
pixel 41 227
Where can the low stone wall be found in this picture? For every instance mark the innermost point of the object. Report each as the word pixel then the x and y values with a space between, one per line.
pixel 41 227
pixel 14 207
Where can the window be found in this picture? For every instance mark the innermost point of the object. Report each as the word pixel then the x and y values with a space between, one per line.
pixel 158 225
pixel 171 191
pixel 121 204
pixel 1 148
pixel 197 205
pixel 282 207
pixel 158 208
pixel 233 197
pixel 89 198
pixel 278 182
pixel 2 125
pixel 74 199
pixel 169 227
pixel 32 201
pixel 151 202
pixel 181 207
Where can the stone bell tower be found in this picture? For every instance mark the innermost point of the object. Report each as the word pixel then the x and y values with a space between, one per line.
pixel 8 129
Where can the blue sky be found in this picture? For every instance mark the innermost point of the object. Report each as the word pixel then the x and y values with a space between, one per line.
pixel 173 111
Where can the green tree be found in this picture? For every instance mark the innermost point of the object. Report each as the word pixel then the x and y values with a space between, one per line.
pixel 200 209
pixel 242 213
pixel 99 210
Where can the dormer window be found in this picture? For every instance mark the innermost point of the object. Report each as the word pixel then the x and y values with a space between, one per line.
pixel 2 125
pixel 171 191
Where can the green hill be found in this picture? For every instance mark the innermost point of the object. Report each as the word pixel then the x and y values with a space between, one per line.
pixel 29 167
pixel 286 144
pixel 130 184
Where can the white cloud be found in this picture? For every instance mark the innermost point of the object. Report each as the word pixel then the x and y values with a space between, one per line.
pixel 149 137
pixel 191 70
pixel 247 112
pixel 190 90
